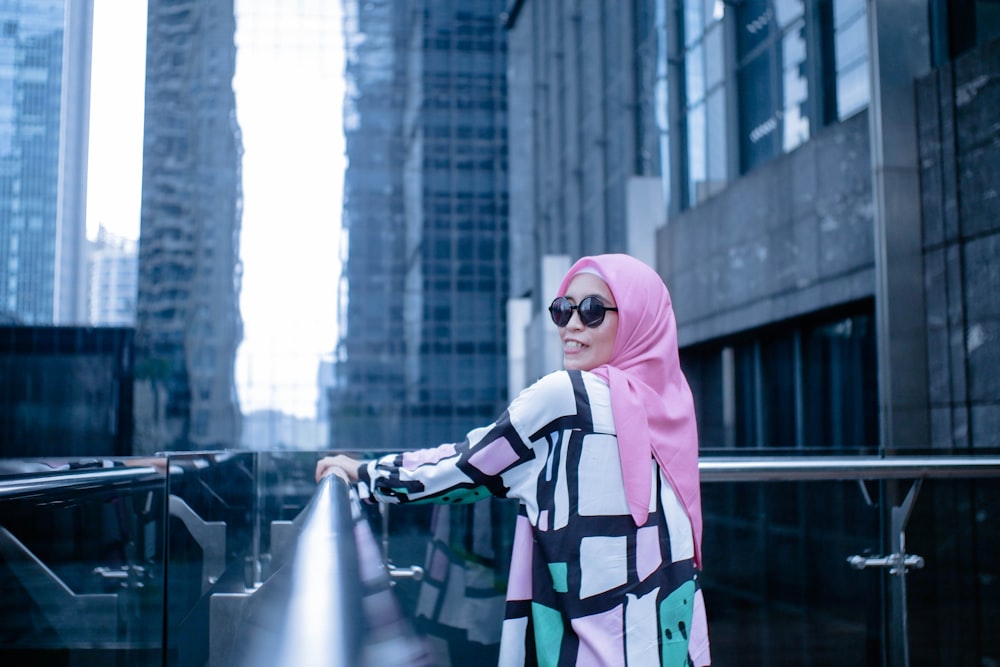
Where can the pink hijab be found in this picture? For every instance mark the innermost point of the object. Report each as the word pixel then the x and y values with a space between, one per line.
pixel 650 398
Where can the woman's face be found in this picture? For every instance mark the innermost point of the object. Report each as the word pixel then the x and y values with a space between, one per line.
pixel 586 348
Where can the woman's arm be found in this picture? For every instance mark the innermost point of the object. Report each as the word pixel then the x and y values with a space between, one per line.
pixel 490 460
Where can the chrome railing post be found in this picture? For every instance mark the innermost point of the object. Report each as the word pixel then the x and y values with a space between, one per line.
pixel 898 563
pixel 899 516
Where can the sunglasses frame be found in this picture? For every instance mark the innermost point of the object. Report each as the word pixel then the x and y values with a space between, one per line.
pixel 580 308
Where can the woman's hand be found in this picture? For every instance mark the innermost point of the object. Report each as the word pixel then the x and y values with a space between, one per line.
pixel 343 466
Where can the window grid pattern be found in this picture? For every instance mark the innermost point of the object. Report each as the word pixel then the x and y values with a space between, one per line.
pixel 771 76
pixel 851 46
pixel 422 353
pixel 738 83
pixel 704 99
pixel 807 384
pixel 31 72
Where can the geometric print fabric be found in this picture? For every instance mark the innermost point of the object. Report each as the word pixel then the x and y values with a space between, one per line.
pixel 587 587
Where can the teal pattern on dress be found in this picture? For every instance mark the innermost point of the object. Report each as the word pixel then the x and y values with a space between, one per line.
pixel 676 611
pixel 559 577
pixel 548 624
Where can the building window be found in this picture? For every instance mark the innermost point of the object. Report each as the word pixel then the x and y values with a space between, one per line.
pixel 850 37
pixel 705 100
pixel 771 78
pixel 743 81
pixel 805 384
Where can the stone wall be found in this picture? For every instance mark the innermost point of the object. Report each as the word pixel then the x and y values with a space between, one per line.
pixel 792 237
pixel 959 128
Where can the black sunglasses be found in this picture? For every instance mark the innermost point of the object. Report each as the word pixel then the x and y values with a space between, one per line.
pixel 591 311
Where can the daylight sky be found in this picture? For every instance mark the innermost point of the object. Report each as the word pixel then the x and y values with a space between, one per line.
pixel 289 89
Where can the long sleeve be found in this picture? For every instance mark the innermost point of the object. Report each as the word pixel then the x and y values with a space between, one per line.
pixel 498 459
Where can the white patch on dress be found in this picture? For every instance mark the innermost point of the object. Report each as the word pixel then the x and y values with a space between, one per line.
pixel 603 564
pixel 642 647
pixel 678 523
pixel 601 491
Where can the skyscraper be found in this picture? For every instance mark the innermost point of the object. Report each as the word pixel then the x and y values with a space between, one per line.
pixel 113 279
pixel 188 323
pixel 422 353
pixel 44 115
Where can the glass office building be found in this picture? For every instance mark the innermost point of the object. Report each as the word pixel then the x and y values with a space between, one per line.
pixel 114 276
pixel 188 324
pixel 422 356
pixel 44 115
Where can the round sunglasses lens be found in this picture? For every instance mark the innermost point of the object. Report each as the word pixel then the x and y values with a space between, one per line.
pixel 561 311
pixel 591 312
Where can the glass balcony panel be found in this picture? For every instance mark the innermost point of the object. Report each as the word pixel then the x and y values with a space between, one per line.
pixel 176 562
pixel 81 563
pixel 778 588
pixel 778 584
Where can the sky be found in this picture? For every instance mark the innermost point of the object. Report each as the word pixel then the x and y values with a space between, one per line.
pixel 289 91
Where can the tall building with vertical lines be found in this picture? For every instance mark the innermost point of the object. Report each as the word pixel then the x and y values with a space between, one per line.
pixel 44 117
pixel 188 323
pixel 113 277
pixel 422 352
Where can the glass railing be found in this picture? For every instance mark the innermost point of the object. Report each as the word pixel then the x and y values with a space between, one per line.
pixel 236 558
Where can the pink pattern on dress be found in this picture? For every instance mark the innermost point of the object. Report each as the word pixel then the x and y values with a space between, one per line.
pixel 647 552
pixel 519 582
pixel 415 459
pixel 495 457
pixel 607 629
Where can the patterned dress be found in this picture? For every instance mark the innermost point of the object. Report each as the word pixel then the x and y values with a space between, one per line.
pixel 587 587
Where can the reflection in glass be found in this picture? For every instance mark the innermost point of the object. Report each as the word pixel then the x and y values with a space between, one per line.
pixel 81 561
pixel 812 385
pixel 717 167
pixel 787 11
pixel 852 41
pixel 758 113
pixel 715 56
pixel 693 21
pixel 755 24
pixel 795 120
pixel 851 54
pixel 852 90
pixel 845 11
pixel 777 586
pixel 694 74
pixel 696 157
pixel 705 102
pixel 840 383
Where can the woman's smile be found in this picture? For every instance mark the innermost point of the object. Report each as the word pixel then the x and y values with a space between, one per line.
pixel 585 348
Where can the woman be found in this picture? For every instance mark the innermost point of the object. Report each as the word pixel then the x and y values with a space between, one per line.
pixel 603 457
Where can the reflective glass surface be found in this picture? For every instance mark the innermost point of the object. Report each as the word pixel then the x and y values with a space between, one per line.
pixel 193 559
pixel 82 562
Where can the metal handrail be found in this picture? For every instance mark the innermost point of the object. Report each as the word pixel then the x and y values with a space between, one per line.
pixel 316 594
pixel 333 597
pixel 77 480
pixel 827 468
